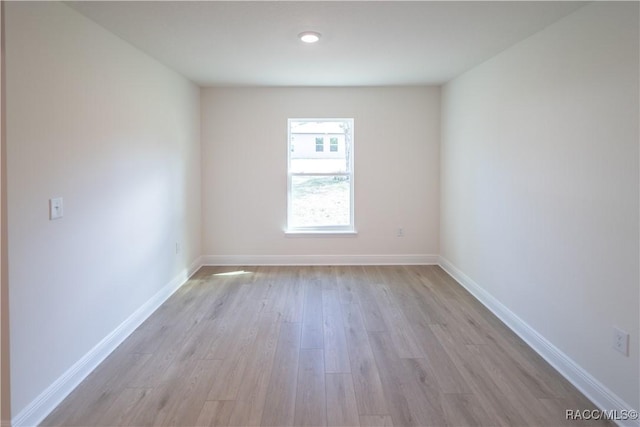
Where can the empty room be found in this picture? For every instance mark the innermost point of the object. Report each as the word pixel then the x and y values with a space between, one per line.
pixel 301 213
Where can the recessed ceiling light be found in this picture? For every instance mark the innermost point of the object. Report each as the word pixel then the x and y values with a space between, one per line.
pixel 309 36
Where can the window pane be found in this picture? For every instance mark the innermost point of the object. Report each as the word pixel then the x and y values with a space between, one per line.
pixel 318 165
pixel 310 155
pixel 320 201
pixel 320 177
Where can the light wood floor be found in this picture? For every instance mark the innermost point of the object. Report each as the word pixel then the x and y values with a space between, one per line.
pixel 316 346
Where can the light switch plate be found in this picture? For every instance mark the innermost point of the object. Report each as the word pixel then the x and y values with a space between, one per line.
pixel 56 209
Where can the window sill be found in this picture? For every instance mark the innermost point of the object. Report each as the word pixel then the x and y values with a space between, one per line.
pixel 320 233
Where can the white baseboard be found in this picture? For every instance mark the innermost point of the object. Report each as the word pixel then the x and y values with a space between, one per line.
pixel 599 394
pixel 52 396
pixel 241 260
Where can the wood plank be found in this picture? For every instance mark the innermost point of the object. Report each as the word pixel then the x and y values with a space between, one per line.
pixel 286 294
pixel 137 412
pixel 312 330
pixel 215 413
pixel 344 280
pixel 328 277
pixel 99 392
pixel 376 421
pixel 126 400
pixel 311 407
pixel 294 295
pixel 373 318
pixel 416 289
pixel 507 377
pixel 181 411
pixel 465 410
pixel 412 401
pixel 252 393
pixel 370 395
pixel 336 353
pixel 280 404
pixel 398 328
pixel 165 398
pixel 447 374
pixel 223 341
pixel 498 406
pixel 236 357
pixel 342 409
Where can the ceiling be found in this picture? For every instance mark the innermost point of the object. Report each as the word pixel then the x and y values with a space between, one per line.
pixel 364 43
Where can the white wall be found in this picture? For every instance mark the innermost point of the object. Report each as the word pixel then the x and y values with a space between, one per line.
pixel 540 185
pixel 5 401
pixel 93 120
pixel 244 164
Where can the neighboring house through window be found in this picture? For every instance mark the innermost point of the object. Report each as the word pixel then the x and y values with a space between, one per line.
pixel 333 144
pixel 320 183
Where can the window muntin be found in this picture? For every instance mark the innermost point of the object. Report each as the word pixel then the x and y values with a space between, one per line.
pixel 320 183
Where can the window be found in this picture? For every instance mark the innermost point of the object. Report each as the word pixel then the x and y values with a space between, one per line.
pixel 333 144
pixel 320 184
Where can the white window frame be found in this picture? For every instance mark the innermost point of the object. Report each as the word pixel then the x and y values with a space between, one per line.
pixel 322 229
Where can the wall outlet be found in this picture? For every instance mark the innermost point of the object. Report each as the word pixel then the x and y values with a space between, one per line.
pixel 621 341
pixel 56 209
pixel 400 232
